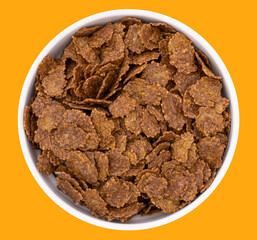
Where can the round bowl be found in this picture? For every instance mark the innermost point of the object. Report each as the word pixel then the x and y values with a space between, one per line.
pixel 48 183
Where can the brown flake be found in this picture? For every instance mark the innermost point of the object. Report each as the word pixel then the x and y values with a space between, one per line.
pixel 190 109
pixel 133 171
pixel 221 105
pixel 158 160
pixel 209 122
pixel 86 31
pixel 164 27
pixel 184 81
pixel 82 47
pixel 54 160
pixel 122 106
pixel 181 185
pixel 69 190
pixel 119 28
pixel 192 156
pixel 167 136
pixel 116 192
pixel 206 69
pixel 128 21
pixel 69 136
pixel 167 204
pixel 76 83
pixel 204 58
pixel 133 120
pixel 137 149
pixel 107 83
pixel 95 203
pixel 55 82
pixel 211 150
pixel 114 51
pixel 177 184
pixel 79 118
pixel 104 128
pixel 155 158
pixel 182 53
pixel 46 66
pixel 79 165
pixel 71 53
pixel 151 185
pixel 70 65
pixel 132 39
pixel 29 123
pixel 139 59
pixel 149 124
pixel 101 36
pixel 172 110
pixel 209 182
pixel 43 138
pixel 123 70
pixel 102 165
pixel 181 146
pixel 206 91
pixel 133 72
pixel 92 86
pixel 120 141
pixel 155 111
pixel 227 119
pixel 118 163
pixel 145 93
pixel 223 138
pixel 93 101
pixel 102 71
pixel 125 213
pixel 51 117
pixel 150 36
pixel 155 73
pixel 44 165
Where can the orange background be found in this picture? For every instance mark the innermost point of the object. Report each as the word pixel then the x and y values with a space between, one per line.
pixel 28 213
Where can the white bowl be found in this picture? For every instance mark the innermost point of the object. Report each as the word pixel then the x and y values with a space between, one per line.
pixel 54 48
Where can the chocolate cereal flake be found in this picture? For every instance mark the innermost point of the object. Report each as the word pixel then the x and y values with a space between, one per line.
pixel 55 82
pixel 122 106
pixel 154 73
pixel 139 59
pixel 104 129
pixel 206 91
pixel 209 122
pixel 44 165
pixel 182 53
pixel 149 124
pixel 206 69
pixel 181 146
pixel 95 203
pixel 132 39
pixel 92 86
pixel 118 163
pixel 211 150
pixel 86 31
pixel 79 164
pixel 102 165
pixel 116 192
pixel 172 110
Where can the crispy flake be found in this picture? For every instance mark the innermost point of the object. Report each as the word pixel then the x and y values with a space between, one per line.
pixel 172 110
pixel 155 73
pixel 182 53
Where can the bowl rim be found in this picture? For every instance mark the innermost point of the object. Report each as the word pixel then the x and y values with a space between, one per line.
pixel 234 115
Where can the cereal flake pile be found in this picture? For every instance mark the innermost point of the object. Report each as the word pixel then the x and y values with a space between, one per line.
pixel 130 120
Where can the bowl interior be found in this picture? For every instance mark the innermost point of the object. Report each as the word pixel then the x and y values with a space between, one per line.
pixel 48 183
